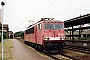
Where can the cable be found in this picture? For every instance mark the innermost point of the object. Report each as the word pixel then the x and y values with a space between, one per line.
pixel 51 4
pixel 46 8
pixel 76 10
pixel 64 7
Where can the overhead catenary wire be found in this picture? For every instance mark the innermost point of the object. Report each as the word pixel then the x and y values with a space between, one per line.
pixel 46 8
pixel 52 4
pixel 64 7
pixel 75 10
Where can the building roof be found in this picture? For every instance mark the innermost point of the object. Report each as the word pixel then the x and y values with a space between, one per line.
pixel 4 25
pixel 78 21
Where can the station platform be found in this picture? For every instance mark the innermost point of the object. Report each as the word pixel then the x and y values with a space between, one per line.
pixel 24 52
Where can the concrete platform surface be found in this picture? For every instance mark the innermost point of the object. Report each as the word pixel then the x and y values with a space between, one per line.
pixel 23 52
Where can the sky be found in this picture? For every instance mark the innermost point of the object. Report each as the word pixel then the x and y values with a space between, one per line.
pixel 19 13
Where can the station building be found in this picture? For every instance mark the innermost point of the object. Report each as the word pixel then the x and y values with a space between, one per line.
pixel 5 27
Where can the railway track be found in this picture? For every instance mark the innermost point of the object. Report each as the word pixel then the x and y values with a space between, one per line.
pixel 73 53
pixel 70 55
pixel 78 49
pixel 61 57
pixel 53 57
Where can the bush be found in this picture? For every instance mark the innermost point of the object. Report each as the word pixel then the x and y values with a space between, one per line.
pixel 4 36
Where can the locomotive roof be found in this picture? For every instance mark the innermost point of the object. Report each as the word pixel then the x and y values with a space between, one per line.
pixel 52 21
pixel 44 21
pixel 33 25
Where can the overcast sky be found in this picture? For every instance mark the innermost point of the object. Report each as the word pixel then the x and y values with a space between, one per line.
pixel 18 13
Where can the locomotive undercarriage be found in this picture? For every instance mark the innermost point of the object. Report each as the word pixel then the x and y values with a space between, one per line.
pixel 36 46
pixel 48 47
pixel 53 47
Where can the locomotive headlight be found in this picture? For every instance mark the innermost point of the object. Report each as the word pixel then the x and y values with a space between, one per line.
pixel 44 37
pixel 60 38
pixel 48 38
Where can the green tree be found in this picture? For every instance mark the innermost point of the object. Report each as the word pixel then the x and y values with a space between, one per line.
pixel 18 34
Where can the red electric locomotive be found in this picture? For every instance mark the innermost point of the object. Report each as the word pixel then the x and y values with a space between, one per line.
pixel 46 34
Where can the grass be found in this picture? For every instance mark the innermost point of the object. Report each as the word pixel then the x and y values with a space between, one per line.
pixel 42 53
pixel 7 50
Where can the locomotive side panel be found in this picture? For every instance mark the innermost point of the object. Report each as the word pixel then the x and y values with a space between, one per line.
pixel 39 34
pixel 31 38
pixel 35 34
pixel 29 35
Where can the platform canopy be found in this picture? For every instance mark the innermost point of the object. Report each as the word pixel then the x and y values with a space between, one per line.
pixel 85 19
pixel 88 27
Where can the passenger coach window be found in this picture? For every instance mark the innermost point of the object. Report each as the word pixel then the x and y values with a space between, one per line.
pixel 39 26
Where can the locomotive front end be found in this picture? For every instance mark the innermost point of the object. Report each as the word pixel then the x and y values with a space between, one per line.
pixel 53 36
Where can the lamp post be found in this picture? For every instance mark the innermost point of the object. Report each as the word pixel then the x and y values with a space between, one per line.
pixel 2 3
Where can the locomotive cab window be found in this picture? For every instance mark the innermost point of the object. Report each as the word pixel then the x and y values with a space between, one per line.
pixel 53 26
pixel 39 26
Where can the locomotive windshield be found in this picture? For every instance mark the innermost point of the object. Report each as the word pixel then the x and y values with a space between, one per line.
pixel 53 26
